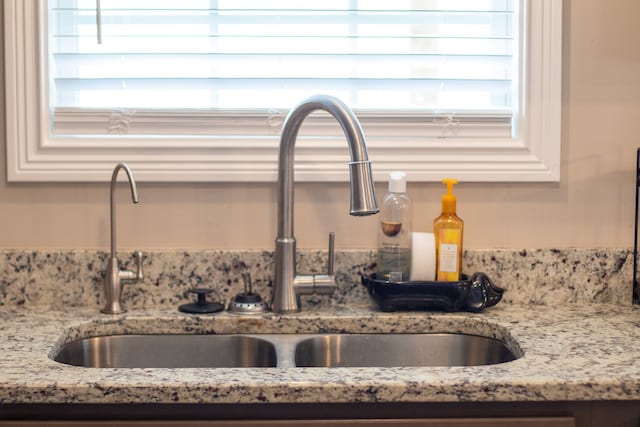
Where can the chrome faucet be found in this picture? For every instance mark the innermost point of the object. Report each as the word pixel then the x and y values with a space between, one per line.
pixel 115 277
pixel 288 286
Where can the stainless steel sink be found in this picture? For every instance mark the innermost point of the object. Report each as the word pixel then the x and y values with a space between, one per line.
pixel 387 350
pixel 169 351
pixel 284 350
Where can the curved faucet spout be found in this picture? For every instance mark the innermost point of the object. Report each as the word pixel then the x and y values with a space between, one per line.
pixel 114 277
pixel 134 199
pixel 363 200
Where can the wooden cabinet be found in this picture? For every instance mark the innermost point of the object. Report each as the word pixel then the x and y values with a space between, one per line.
pixel 454 422
pixel 460 414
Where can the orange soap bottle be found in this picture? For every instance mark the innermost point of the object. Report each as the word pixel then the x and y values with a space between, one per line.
pixel 448 229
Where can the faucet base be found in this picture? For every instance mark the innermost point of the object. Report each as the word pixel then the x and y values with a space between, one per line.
pixel 285 299
pixel 114 308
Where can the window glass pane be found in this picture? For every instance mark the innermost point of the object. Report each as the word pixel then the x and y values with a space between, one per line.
pixel 425 55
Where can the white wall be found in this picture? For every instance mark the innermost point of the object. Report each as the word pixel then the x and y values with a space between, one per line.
pixel 592 206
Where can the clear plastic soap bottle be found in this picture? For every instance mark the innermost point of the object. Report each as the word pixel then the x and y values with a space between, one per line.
pixel 394 233
pixel 448 229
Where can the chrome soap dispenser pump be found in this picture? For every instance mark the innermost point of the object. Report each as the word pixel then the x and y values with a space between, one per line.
pixel 114 277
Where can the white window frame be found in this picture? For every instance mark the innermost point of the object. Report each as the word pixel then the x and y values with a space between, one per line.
pixel 33 155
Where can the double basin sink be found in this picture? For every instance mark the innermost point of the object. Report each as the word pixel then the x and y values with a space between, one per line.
pixel 284 351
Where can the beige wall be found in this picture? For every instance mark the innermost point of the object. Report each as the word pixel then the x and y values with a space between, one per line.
pixel 592 206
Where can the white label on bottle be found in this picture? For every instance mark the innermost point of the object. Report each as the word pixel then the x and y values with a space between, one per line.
pixel 448 257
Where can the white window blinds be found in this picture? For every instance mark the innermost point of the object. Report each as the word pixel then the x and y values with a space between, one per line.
pixel 453 60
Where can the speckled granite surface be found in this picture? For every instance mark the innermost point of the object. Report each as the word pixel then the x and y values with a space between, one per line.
pixel 568 313
pixel 572 353
pixel 73 278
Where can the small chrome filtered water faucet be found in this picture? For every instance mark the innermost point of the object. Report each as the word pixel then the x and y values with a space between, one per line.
pixel 115 277
pixel 288 286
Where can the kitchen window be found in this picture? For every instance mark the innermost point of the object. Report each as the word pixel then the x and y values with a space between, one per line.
pixel 197 90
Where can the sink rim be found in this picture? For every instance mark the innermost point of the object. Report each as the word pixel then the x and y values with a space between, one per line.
pixel 286 346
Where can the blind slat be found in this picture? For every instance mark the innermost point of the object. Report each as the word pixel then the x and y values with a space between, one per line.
pixel 278 45
pixel 283 19
pixel 283 4
pixel 282 66
pixel 400 94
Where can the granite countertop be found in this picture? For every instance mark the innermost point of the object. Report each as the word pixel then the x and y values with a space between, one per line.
pixel 566 311
pixel 577 352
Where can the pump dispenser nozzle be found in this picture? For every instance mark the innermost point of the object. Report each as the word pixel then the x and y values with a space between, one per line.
pixel 449 199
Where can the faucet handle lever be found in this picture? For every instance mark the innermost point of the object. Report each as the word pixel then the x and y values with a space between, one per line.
pixel 139 271
pixel 331 254
pixel 130 276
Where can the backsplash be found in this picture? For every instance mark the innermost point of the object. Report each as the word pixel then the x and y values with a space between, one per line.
pixel 63 279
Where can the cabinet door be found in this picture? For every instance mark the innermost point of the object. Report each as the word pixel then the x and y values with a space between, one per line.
pixel 439 422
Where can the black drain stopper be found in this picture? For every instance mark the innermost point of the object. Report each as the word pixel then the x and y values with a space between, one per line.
pixel 202 306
